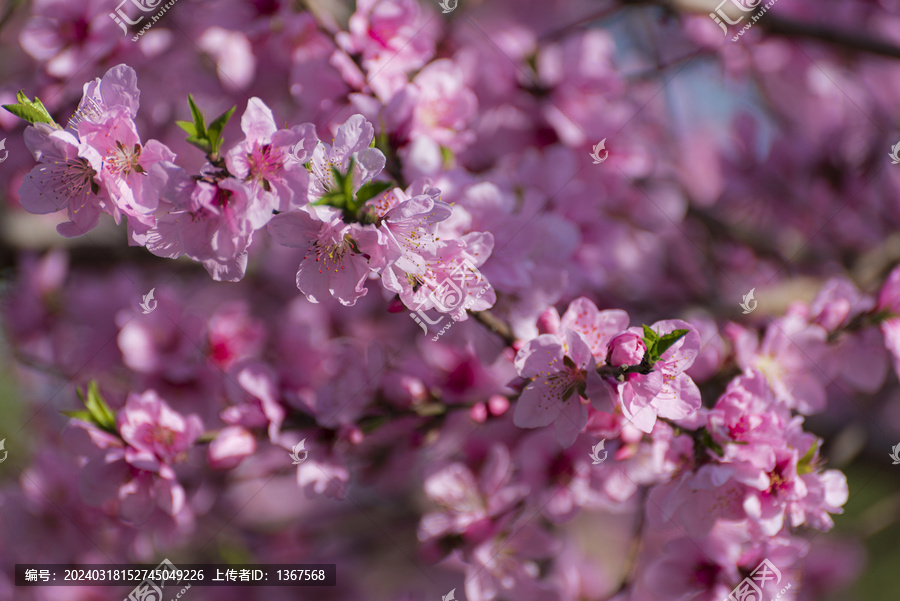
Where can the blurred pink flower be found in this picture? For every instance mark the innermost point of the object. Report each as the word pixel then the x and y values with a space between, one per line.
pixel 230 447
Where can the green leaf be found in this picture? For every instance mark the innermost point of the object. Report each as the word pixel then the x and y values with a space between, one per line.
pixel 668 340
pixel 99 410
pixel 83 415
pixel 217 126
pixel 200 143
pixel 31 111
pixel 348 183
pixel 188 127
pixel 199 121
pixel 650 340
pixel 331 199
pixel 371 190
pixel 707 441
pixel 805 465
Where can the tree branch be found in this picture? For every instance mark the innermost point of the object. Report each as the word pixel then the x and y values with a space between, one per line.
pixel 495 325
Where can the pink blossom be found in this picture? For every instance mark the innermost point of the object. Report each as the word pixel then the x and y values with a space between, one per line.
pixel 210 223
pixel 332 264
pixel 270 160
pixel 157 435
pixel 597 327
pixel 230 447
pixel 788 357
pixel 450 281
pixel 136 476
pixel 351 142
pixel 557 369
pixel 63 179
pixel 504 566
pixel 889 302
pixel 114 150
pixel 69 36
pixel 666 391
pixel 837 303
pixel 234 335
pixel 437 105
pixel 409 235
pixel 470 504
pixel 393 39
pixel 324 472
pixel 691 569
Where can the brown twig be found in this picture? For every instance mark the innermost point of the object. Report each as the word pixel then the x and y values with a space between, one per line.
pixel 848 40
pixel 836 37
pixel 495 325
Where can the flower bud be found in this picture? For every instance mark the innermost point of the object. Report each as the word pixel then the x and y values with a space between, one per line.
pixel 626 349
pixel 548 321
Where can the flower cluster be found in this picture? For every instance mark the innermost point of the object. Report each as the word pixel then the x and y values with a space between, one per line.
pixel 307 193
pixel 608 425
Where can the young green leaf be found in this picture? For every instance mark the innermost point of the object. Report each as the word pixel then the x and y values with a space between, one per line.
pixel 347 182
pixel 448 158
pixel 371 190
pixel 216 127
pixel 99 410
pixel 199 121
pixel 200 143
pixel 188 127
pixel 805 465
pixel 83 415
pixel 707 442
pixel 668 340
pixel 31 111
pixel 331 199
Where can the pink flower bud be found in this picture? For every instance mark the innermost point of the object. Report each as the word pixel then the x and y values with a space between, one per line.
pixel 548 321
pixel 478 413
pixel 626 349
pixel 498 404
